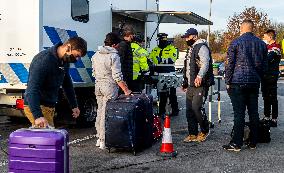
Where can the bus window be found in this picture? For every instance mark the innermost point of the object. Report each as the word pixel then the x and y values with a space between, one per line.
pixel 80 10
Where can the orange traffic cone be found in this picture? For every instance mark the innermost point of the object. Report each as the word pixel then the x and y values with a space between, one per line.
pixel 167 147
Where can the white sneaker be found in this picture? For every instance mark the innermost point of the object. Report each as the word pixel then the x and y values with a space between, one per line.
pixel 98 143
pixel 102 145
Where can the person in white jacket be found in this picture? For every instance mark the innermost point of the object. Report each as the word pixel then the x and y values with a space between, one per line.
pixel 107 71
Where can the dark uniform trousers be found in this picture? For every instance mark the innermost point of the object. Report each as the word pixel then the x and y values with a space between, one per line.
pixel 173 101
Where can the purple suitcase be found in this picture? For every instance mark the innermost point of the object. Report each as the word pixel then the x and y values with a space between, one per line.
pixel 38 150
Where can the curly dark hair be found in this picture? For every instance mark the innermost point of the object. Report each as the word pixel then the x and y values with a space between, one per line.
pixel 111 39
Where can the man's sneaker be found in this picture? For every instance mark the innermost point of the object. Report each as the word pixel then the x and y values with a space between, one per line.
pixel 266 120
pixel 232 147
pixel 202 136
pixel 251 146
pixel 273 123
pixel 102 145
pixel 190 138
pixel 98 143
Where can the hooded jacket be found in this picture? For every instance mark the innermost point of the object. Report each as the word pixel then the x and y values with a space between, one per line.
pixel 106 65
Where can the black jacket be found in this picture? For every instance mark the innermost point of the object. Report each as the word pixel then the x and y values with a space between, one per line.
pixel 246 60
pixel 46 74
pixel 126 58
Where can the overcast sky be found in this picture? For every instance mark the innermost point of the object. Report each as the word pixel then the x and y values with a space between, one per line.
pixel 221 10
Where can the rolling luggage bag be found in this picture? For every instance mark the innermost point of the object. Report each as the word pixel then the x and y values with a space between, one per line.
pixel 263 132
pixel 38 150
pixel 128 123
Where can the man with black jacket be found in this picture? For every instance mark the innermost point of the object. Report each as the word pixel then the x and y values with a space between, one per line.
pixel 245 66
pixel 49 70
pixel 269 82
pixel 198 77
pixel 126 56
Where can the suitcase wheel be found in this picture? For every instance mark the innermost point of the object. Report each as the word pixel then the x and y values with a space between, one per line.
pixel 211 125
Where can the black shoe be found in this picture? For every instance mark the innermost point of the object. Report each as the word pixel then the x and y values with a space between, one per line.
pixel 273 123
pixel 251 146
pixel 232 147
pixel 266 120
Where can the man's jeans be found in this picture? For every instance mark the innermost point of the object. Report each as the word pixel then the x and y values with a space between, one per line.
pixel 194 100
pixel 242 97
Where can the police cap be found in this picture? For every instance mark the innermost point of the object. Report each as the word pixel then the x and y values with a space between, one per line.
pixel 162 36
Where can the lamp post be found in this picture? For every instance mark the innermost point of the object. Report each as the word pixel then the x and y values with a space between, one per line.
pixel 208 36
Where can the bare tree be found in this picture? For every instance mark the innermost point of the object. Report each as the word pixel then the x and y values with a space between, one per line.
pixel 279 28
pixel 216 40
pixel 180 42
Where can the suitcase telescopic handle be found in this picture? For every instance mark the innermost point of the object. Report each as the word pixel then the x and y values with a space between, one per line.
pixel 39 128
pixel 136 92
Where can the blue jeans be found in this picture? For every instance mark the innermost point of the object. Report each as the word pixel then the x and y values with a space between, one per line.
pixel 242 97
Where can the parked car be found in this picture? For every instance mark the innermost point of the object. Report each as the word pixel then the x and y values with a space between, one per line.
pixel 281 68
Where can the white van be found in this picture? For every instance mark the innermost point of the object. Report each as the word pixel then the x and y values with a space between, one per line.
pixel 30 26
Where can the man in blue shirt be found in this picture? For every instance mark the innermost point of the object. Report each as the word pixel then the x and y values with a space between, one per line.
pixel 49 70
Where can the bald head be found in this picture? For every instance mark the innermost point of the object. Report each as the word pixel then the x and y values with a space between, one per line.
pixel 246 26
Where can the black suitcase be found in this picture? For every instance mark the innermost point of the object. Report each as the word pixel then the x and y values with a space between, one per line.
pixel 129 122
pixel 263 132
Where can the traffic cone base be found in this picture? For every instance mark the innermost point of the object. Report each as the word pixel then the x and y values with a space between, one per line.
pixel 167 147
pixel 172 154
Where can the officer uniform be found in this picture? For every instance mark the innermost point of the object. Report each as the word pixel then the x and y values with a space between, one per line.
pixel 282 43
pixel 163 57
pixel 140 64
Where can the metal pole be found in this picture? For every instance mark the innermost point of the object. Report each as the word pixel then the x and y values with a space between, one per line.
pixel 145 25
pixel 208 36
pixel 219 100
pixel 211 88
pixel 210 107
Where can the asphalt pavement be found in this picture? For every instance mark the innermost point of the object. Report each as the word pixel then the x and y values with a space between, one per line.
pixel 208 156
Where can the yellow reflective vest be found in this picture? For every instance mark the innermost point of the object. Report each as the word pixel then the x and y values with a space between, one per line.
pixel 166 59
pixel 139 60
pixel 282 48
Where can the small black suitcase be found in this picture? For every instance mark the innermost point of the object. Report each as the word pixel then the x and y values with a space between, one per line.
pixel 129 122
pixel 263 132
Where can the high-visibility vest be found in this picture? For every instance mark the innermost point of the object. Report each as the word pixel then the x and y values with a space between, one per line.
pixel 168 56
pixel 139 60
pixel 282 48
pixel 166 59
